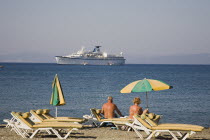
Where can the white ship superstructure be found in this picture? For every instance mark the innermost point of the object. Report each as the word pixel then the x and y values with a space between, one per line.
pixel 95 57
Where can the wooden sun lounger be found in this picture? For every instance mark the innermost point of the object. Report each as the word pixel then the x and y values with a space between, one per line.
pixel 97 118
pixel 24 124
pixel 143 123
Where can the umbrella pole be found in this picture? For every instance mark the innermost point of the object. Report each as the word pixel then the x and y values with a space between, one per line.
pixel 147 100
pixel 56 111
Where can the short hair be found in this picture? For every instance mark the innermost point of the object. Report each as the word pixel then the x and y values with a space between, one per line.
pixel 110 98
pixel 136 100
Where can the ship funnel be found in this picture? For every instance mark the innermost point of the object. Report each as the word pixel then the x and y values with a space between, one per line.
pixel 96 49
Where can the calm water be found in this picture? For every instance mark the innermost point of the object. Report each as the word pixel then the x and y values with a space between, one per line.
pixel 28 86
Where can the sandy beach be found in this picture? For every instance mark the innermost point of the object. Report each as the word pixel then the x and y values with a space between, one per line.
pixel 103 133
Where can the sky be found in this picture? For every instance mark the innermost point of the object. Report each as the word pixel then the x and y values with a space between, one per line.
pixel 146 31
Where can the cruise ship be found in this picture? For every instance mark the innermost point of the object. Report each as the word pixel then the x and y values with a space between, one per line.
pixel 95 57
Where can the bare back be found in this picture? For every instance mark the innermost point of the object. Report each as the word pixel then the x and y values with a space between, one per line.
pixel 108 110
pixel 135 109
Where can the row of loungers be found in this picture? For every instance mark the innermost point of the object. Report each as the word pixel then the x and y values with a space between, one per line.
pixel 30 124
pixel 148 123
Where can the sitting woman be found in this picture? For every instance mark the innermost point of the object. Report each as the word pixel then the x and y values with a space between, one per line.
pixel 136 109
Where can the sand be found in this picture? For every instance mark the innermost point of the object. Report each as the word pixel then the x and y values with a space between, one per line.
pixel 103 133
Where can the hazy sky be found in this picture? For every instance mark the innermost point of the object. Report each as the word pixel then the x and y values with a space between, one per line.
pixel 147 32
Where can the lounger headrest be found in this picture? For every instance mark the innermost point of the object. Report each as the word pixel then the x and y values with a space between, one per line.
pixel 143 116
pixel 98 111
pixel 46 111
pixel 26 115
pixel 157 118
pixel 151 115
pixel 19 113
pixel 39 111
pixel 13 112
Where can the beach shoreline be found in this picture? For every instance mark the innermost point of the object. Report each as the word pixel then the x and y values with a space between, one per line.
pixel 102 133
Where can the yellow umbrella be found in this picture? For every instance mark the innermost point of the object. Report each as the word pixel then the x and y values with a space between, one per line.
pixel 145 85
pixel 57 97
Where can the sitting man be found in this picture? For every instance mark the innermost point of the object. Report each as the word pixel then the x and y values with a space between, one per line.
pixel 136 109
pixel 108 109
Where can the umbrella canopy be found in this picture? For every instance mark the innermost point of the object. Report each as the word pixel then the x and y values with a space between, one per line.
pixel 145 85
pixel 57 97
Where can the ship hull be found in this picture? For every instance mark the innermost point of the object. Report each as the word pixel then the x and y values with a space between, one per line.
pixel 89 61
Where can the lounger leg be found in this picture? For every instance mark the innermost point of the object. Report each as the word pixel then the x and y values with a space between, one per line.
pixel 8 122
pixel 46 129
pixel 95 123
pixel 57 134
pixel 35 132
pixel 66 136
pixel 25 132
pixel 91 121
pixel 68 133
pixel 174 136
pixel 14 128
pixel 179 133
pixel 20 132
pixel 157 134
pixel 159 131
pixel 129 129
pixel 137 132
pixel 147 132
pixel 49 132
pixel 101 124
pixel 138 126
pixel 151 135
pixel 187 135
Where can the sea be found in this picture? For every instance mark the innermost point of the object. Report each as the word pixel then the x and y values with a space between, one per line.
pixel 27 86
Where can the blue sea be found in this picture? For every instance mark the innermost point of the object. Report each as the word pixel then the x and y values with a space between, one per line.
pixel 26 86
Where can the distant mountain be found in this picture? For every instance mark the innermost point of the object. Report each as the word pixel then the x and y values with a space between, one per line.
pixel 173 59
pixel 203 58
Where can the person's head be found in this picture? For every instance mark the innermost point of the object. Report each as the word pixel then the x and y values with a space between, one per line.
pixel 110 99
pixel 137 100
